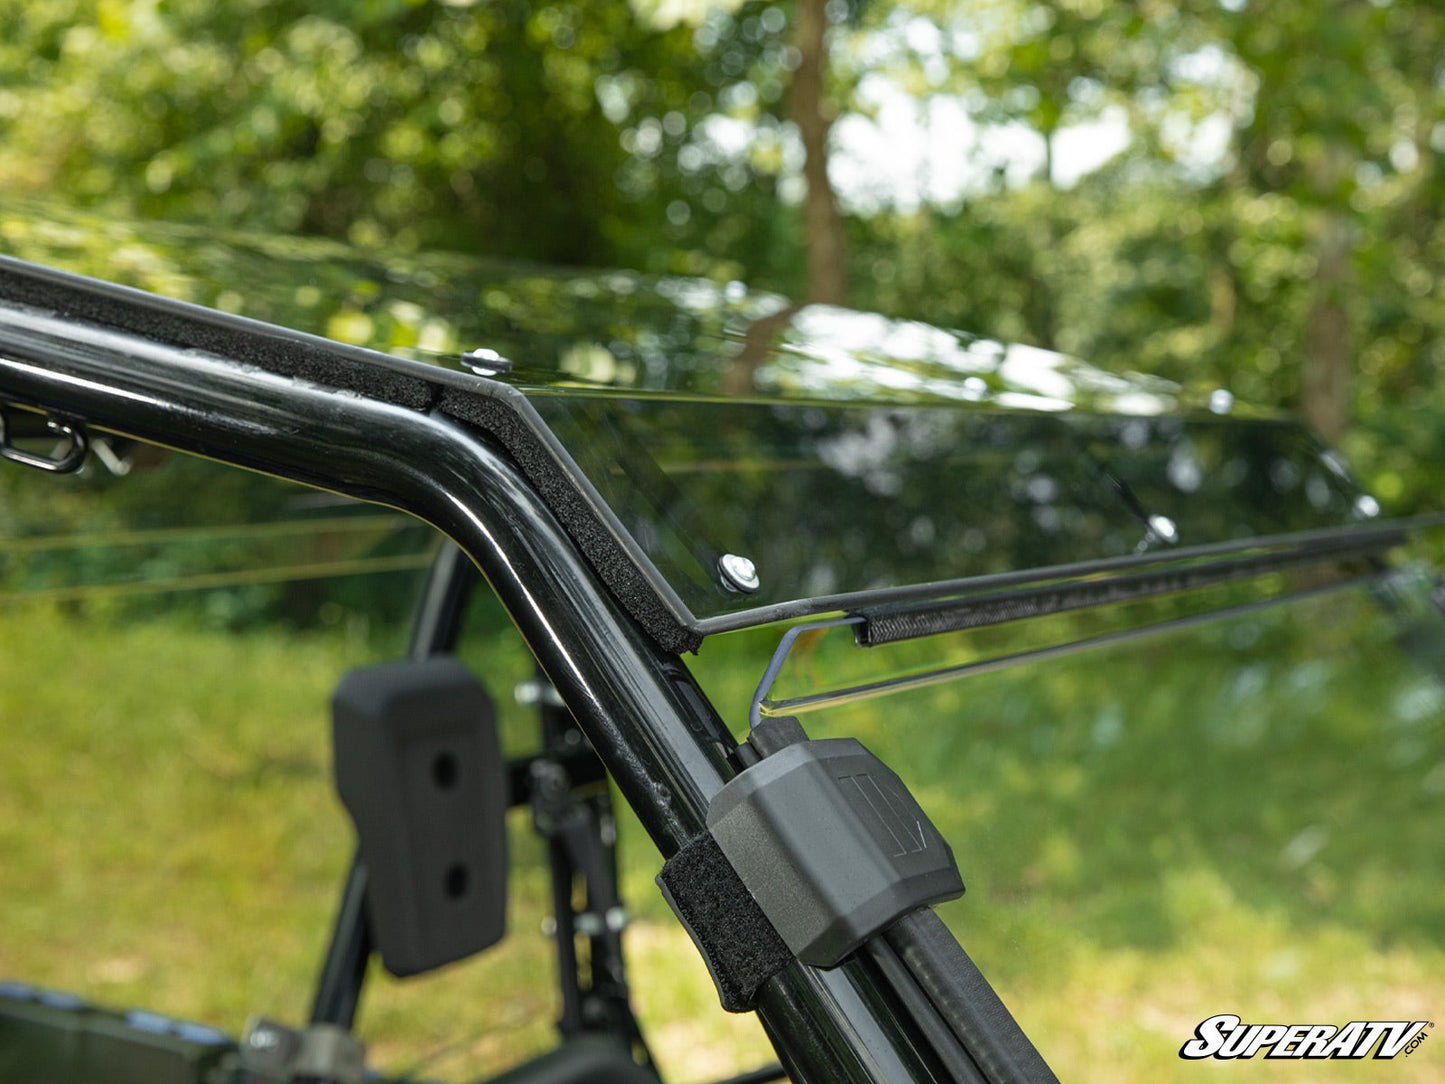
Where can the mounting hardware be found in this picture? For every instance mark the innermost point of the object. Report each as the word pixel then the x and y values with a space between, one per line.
pixel 808 854
pixel 1163 529
pixel 323 1052
pixel 485 362
pixel 738 573
pixel 66 462
pixel 535 691
pixel 592 924
pixel 831 844
pixel 111 457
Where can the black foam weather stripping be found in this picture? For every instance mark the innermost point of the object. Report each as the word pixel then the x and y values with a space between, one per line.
pixel 741 947
pixel 892 624
pixel 504 420
pixel 495 410
pixel 179 323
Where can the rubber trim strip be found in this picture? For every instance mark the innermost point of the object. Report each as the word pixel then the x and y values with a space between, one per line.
pixel 887 625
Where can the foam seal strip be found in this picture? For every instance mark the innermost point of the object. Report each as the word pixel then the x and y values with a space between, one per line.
pixel 494 410
pixel 886 625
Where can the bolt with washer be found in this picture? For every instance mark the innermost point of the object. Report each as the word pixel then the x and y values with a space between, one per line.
pixel 738 573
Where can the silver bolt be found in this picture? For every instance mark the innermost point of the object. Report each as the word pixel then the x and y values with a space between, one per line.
pixel 1163 528
pixel 1221 401
pixel 738 573
pixel 485 362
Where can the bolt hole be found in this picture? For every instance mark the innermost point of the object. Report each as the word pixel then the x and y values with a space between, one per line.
pixel 444 770
pixel 456 881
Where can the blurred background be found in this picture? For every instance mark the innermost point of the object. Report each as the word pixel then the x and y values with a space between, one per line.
pixel 1238 194
pixel 1235 193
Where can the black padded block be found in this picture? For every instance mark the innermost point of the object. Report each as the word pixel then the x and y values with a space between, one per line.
pixel 420 769
pixel 831 845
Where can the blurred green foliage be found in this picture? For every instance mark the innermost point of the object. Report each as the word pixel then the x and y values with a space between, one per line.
pixel 1273 224
pixel 543 131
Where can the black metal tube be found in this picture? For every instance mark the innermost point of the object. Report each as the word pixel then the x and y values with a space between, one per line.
pixel 638 705
pixel 338 990
pixel 564 933
pixel 443 600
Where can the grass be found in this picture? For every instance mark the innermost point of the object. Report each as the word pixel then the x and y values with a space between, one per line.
pixel 1211 823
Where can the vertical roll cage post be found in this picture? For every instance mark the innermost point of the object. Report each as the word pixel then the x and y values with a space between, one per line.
pixel 658 736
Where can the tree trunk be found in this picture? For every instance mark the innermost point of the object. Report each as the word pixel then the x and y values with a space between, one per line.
pixel 827 250
pixel 741 377
pixel 1325 373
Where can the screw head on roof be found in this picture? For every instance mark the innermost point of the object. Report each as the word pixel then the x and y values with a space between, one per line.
pixel 1163 529
pixel 738 573
pixel 486 362
pixel 1221 401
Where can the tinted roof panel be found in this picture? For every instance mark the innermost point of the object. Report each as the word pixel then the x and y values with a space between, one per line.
pixel 834 500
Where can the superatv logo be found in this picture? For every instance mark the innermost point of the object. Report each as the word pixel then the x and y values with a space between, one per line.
pixel 1226 1037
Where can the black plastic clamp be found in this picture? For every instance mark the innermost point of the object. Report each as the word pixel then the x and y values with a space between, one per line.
pixel 828 848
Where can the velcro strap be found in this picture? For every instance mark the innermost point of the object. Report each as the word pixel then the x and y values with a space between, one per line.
pixel 740 946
